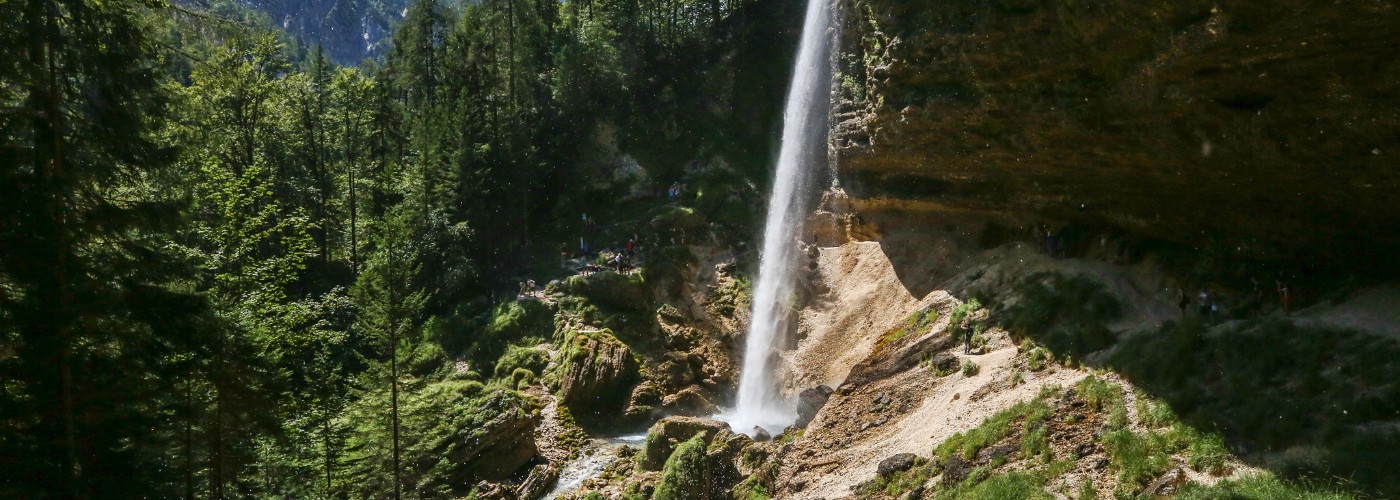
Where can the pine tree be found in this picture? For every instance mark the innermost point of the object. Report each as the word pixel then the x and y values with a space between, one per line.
pixel 91 316
pixel 388 311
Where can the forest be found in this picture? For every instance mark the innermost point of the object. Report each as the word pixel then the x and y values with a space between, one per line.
pixel 232 268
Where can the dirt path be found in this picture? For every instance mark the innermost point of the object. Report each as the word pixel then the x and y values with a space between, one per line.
pixel 850 437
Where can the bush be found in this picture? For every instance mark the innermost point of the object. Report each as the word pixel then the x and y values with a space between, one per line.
pixel 517 357
pixel 969 368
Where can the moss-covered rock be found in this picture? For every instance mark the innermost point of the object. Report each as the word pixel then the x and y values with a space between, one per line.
pixel 686 475
pixel 516 322
pixel 596 373
pixel 668 432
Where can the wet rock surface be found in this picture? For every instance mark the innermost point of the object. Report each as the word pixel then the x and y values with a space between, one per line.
pixel 811 401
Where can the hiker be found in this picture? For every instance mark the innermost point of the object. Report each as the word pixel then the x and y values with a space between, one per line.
pixel 617 261
pixel 1284 300
pixel 967 335
pixel 1182 301
pixel 522 288
pixel 530 286
pixel 1204 302
pixel 632 247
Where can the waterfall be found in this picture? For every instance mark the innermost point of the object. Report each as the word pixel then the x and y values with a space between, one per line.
pixel 803 152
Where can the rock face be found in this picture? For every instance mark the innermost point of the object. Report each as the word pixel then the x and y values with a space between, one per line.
pixel 1256 126
pixel 811 401
pixel 539 480
pixel 502 444
pixel 693 401
pixel 897 463
pixel 596 376
pixel 668 433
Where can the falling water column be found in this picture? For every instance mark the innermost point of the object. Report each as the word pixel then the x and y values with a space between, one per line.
pixel 800 161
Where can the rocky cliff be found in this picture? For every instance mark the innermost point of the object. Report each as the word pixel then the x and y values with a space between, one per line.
pixel 1264 128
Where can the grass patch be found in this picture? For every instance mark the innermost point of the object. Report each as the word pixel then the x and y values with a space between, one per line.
pixel 918 320
pixel 994 429
pixel 1272 385
pixel 1262 486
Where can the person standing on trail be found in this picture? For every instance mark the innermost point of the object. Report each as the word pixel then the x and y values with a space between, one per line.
pixel 967 335
pixel 1284 300
pixel 1182 301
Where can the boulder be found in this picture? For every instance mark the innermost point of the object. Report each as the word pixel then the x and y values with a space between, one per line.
pixel 955 471
pixel 538 482
pixel 693 401
pixel 897 463
pixel 945 363
pixel 501 439
pixel 811 401
pixel 761 435
pixel 596 376
pixel 669 432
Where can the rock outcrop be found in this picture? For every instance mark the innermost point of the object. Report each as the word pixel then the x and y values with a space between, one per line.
pixel 596 374
pixel 1265 128
pixel 897 463
pixel 668 433
pixel 811 401
pixel 502 438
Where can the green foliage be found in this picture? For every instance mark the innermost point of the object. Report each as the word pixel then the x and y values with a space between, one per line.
pixel 1100 394
pixel 969 368
pixel 1136 457
pixel 1261 486
pixel 1207 453
pixel 915 322
pixel 1256 380
pixel 526 358
pixel 1087 491
pixel 1067 314
pixel 687 472
pixel 994 429
pixel 1037 358
pixel 511 324
pixel 963 310
pixel 1010 485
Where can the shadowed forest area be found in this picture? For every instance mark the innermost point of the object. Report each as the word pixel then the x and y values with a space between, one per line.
pixel 231 268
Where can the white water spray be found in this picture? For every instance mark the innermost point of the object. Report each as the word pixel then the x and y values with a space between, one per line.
pixel 803 151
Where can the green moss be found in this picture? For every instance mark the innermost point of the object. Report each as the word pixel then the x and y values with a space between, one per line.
pixel 750 489
pixel 518 357
pixel 686 474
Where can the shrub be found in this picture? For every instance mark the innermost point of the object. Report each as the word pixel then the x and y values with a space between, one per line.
pixel 969 368
pixel 517 357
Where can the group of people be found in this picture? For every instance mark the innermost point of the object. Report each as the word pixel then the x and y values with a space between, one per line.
pixel 674 192
pixel 1208 301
